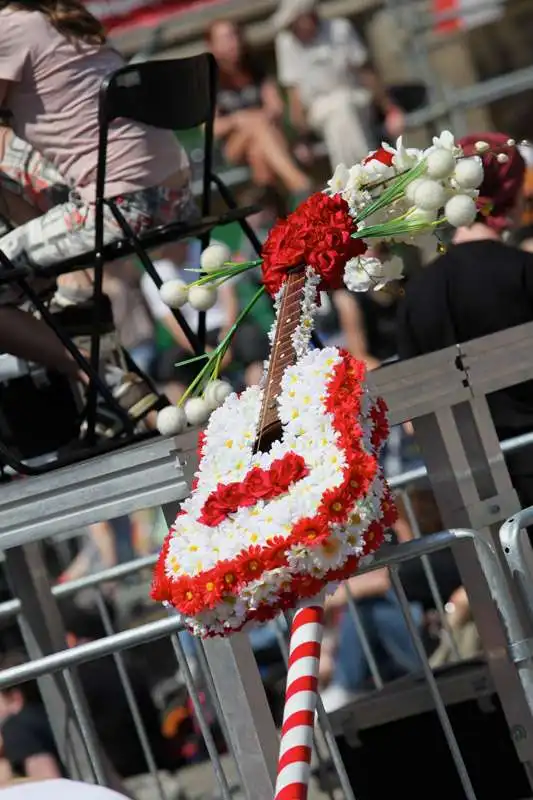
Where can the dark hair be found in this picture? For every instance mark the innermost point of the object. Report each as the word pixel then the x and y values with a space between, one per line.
pixel 521 235
pixel 85 623
pixel 248 65
pixel 69 17
pixel 29 690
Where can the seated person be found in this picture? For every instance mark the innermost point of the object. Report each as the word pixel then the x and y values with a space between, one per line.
pixel 52 63
pixel 28 742
pixel 249 112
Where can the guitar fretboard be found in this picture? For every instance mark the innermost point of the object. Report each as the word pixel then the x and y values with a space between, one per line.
pixel 282 354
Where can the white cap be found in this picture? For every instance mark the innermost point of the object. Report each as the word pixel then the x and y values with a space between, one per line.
pixel 289 11
pixel 58 790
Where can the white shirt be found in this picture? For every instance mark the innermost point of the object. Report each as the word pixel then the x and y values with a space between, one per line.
pixel 58 790
pixel 318 67
pixel 168 271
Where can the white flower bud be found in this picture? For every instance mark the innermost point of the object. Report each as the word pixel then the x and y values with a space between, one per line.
pixel 216 393
pixel 460 211
pixel 174 294
pixel 440 163
pixel 469 173
pixel 202 298
pixel 429 195
pixel 482 147
pixel 214 257
pixel 502 158
pixel 197 411
pixel 171 421
pixel 411 189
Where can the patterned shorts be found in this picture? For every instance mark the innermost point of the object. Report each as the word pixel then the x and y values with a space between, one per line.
pixel 65 228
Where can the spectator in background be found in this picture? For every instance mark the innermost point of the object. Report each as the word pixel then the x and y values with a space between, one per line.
pixel 481 286
pixel 27 741
pixel 324 66
pixel 172 264
pixel 249 113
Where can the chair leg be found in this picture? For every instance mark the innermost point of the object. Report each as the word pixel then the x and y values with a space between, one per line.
pixel 231 203
pixel 193 339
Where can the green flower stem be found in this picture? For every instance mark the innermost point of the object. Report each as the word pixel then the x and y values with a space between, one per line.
pixel 224 274
pixel 214 362
pixel 393 192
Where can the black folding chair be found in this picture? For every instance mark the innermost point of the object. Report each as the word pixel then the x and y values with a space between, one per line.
pixel 175 95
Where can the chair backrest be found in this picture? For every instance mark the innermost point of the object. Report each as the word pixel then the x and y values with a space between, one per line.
pixel 176 94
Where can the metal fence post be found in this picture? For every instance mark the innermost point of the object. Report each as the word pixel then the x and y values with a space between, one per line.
pixel 472 488
pixel 43 633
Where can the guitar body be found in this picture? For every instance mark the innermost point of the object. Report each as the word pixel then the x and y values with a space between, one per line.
pixel 289 495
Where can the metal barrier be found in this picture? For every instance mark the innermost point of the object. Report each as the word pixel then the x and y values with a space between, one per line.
pixel 115 643
pixel 444 395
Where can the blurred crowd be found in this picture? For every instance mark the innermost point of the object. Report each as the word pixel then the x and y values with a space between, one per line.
pixel 323 92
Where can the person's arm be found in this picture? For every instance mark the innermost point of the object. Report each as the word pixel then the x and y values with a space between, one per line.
pixel 373 584
pixel 224 125
pixel 289 78
pixel 351 324
pixel 357 55
pixel 42 767
pixel 394 115
pixel 272 100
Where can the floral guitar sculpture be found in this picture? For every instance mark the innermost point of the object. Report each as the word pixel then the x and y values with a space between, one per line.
pixel 289 495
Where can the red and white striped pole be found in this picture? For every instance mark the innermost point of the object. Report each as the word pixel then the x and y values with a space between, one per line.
pixel 301 693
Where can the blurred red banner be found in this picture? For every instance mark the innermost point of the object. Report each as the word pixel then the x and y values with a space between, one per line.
pixel 133 13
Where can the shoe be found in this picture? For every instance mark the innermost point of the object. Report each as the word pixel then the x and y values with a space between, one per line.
pixel 334 697
pixel 135 396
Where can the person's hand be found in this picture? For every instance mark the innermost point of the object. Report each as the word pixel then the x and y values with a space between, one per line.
pixel 395 122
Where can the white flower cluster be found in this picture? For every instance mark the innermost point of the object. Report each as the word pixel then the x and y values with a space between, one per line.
pixel 228 456
pixel 176 293
pixel 446 189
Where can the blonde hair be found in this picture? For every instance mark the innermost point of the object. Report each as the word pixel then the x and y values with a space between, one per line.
pixel 69 17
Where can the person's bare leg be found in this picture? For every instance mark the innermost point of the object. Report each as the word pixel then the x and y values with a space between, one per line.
pixel 29 338
pixel 277 155
pixel 262 174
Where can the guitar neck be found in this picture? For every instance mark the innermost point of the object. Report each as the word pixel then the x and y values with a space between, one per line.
pixel 282 352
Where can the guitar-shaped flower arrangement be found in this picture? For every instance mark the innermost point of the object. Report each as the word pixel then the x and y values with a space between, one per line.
pixel 289 495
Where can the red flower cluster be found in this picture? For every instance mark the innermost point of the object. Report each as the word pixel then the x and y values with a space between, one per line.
pixel 318 234
pixel 382 155
pixel 259 484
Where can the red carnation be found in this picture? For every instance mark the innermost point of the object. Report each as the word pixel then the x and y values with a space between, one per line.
pixel 318 234
pixel 213 512
pixel 257 483
pixel 382 155
pixel 231 496
pixel 287 470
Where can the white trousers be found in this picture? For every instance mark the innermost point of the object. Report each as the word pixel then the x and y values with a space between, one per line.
pixel 342 120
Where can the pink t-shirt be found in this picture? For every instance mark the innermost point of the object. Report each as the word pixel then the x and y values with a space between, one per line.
pixel 54 102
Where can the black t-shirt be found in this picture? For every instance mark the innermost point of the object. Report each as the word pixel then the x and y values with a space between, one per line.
pixel 27 734
pixel 475 289
pixel 113 721
pixel 241 95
